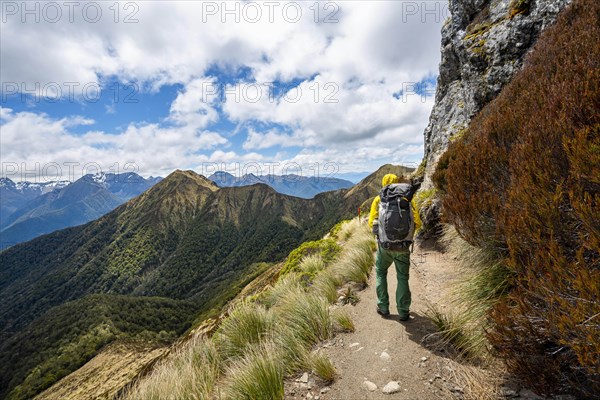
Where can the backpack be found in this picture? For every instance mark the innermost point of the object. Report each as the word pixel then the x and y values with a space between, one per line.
pixel 396 224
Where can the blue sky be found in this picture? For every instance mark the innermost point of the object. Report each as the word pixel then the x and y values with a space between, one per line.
pixel 187 86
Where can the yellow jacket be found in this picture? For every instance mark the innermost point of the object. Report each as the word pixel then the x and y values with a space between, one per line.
pixel 374 214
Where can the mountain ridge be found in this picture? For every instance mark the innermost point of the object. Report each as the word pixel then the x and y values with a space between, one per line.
pixel 184 239
pixel 86 199
pixel 291 184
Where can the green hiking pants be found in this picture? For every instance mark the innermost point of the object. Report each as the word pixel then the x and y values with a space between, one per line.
pixel 401 260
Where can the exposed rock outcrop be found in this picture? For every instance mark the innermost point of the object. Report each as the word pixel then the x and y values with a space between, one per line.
pixel 483 44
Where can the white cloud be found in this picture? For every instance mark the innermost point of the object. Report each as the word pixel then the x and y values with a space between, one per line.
pixel 32 141
pixel 360 62
pixel 192 106
pixel 259 140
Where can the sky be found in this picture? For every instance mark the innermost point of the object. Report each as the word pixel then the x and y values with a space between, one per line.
pixel 306 87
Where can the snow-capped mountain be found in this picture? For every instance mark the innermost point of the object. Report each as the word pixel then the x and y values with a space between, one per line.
pixel 125 185
pixel 40 187
pixel 31 209
pixel 14 195
pixel 32 187
pixel 293 185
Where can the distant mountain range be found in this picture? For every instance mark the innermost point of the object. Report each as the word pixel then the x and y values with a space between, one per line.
pixel 33 209
pixel 147 269
pixel 292 185
pixel 28 210
pixel 14 195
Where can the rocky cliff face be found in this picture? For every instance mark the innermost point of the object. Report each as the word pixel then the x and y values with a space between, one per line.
pixel 483 45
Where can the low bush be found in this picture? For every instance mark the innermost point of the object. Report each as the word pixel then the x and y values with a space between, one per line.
pixel 326 248
pixel 523 184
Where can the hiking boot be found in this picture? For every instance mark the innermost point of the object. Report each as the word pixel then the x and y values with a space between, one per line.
pixel 383 313
pixel 404 317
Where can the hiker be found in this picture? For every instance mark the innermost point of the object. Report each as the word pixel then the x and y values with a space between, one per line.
pixel 394 220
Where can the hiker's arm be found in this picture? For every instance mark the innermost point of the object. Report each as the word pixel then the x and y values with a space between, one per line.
pixel 374 214
pixel 416 216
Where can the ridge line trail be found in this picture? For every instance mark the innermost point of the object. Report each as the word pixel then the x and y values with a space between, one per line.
pixel 430 273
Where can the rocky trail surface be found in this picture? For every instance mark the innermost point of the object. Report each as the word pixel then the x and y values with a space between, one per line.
pixel 385 358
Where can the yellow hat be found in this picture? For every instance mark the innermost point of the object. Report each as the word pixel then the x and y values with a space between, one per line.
pixel 389 179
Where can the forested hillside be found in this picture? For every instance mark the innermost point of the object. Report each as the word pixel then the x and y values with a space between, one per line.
pixel 185 243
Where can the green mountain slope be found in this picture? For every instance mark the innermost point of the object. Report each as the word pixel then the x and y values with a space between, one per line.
pixel 70 334
pixel 184 240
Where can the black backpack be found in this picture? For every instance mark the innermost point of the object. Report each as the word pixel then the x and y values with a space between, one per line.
pixel 396 224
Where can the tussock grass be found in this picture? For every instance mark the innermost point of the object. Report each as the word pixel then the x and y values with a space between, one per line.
pixel 307 315
pixel 321 365
pixel 343 320
pixel 348 229
pixel 479 384
pixel 363 239
pixel 245 327
pixel 355 262
pixel 484 280
pixel 258 375
pixel 460 331
pixel 190 373
pixel 311 264
pixel 355 265
pixel 352 272
pixel 286 284
pixel 325 285
pixel 293 350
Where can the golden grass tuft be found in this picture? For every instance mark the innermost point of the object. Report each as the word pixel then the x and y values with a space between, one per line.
pixel 343 320
pixel 258 375
pixel 322 366
pixel 189 373
pixel 245 327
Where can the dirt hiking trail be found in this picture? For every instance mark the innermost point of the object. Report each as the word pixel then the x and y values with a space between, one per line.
pixel 385 354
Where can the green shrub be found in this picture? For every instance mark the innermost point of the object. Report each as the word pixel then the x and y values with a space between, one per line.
pixel 326 248
pixel 522 184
